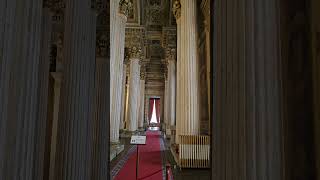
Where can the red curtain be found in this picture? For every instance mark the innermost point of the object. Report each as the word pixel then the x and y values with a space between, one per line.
pixel 151 101
pixel 158 110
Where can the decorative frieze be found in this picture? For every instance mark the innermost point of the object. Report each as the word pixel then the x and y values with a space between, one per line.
pixel 169 37
pixel 135 37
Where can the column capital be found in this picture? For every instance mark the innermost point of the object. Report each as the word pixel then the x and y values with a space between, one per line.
pixel 176 9
pixel 102 44
pixel 135 52
pixel 125 6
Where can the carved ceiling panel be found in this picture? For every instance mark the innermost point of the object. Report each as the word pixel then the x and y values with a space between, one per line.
pixel 134 13
pixel 135 36
pixel 155 12
pixel 169 37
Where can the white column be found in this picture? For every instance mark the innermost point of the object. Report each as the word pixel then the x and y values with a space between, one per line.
pixel 117 36
pixel 134 83
pixel 142 95
pixel 189 69
pixel 172 86
pixel 141 104
pixel 123 98
pixel 179 115
pixel 166 104
pixel 127 105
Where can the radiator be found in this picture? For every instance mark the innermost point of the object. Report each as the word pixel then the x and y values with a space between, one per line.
pixel 194 151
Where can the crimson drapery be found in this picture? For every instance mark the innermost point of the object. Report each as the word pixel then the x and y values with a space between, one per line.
pixel 158 110
pixel 151 101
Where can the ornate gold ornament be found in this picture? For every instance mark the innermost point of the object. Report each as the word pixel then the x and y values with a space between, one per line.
pixel 177 9
pixel 125 7
pixel 135 52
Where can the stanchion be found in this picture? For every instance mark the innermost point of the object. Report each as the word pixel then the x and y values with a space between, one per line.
pixel 137 163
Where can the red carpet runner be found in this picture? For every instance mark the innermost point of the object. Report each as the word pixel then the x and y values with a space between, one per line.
pixel 150 164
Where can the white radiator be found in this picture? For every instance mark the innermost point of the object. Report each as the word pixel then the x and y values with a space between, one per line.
pixel 194 151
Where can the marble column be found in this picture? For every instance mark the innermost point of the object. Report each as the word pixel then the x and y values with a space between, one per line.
pixel 247 126
pixel 166 100
pixel 117 36
pixel 123 97
pixel 74 139
pixel 177 13
pixel 101 128
pixel 134 83
pixel 142 96
pixel 172 86
pixel 127 105
pixel 188 122
pixel 20 44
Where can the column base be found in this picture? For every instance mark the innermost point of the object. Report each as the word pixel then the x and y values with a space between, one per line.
pixel 115 150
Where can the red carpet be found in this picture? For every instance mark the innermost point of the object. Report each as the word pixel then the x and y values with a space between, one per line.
pixel 150 164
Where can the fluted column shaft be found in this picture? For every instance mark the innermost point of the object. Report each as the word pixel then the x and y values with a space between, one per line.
pixel 166 105
pixel 134 83
pixel 247 110
pixel 123 98
pixel 117 57
pixel 141 104
pixel 43 90
pixel 20 42
pixel 100 122
pixel 75 117
pixel 172 91
pixel 179 119
pixel 189 86
pixel 126 119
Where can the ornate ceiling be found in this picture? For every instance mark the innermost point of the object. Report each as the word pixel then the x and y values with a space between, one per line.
pixel 151 24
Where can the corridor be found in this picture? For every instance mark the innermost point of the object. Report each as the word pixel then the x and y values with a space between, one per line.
pixel 151 166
